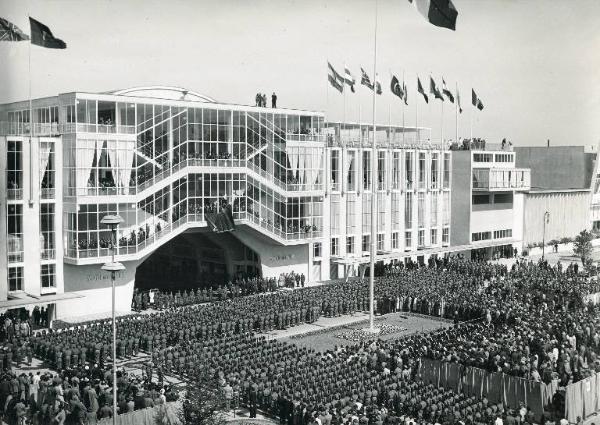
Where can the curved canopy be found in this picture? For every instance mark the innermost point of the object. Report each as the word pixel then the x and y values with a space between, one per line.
pixel 165 92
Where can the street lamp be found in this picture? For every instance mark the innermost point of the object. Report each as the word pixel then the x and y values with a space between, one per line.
pixel 113 267
pixel 546 220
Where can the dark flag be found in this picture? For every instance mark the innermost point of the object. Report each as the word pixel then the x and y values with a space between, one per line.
pixel 447 92
pixel 42 36
pixel 434 90
pixel 334 77
pixel 396 88
pixel 440 13
pixel 405 93
pixel 476 100
pixel 420 90
pixel 11 32
pixel 378 85
pixel 458 101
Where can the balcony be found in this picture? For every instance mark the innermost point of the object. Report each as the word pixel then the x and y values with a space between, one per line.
pixel 14 194
pixel 501 179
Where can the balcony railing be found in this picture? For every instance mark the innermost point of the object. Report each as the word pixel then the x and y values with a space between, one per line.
pixel 47 193
pixel 14 194
pixel 15 256
pixel 55 129
pixel 48 254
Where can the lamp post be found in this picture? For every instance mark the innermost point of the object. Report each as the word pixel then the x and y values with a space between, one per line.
pixel 546 219
pixel 113 267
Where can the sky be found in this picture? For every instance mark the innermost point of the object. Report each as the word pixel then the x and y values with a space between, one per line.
pixel 535 64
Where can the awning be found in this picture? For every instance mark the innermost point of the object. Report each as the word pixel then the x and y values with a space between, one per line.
pixel 440 250
pixel 23 299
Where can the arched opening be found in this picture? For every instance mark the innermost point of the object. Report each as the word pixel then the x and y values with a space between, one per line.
pixel 197 259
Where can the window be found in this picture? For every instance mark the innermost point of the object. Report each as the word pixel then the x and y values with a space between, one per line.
pixel 335 214
pixel 47 230
pixel 351 215
pixel 421 210
pixel 445 236
pixel 481 199
pixel 380 241
pixel 366 170
pixel 503 198
pixel 15 233
pixel 446 170
pixel 499 234
pixel 317 250
pixel 434 237
pixel 14 170
pixel 335 171
pixel 381 170
pixel 335 246
pixel 422 170
pixel 366 243
pixel 395 240
pixel 351 159
pixel 47 172
pixel 407 240
pixel 446 208
pixel 482 157
pixel 421 241
pixel 433 212
pixel 408 210
pixel 15 279
pixel 408 170
pixel 481 236
pixel 350 245
pixel 396 172
pixel 366 213
pixel 434 171
pixel 381 213
pixel 48 276
pixel 503 157
pixel 396 210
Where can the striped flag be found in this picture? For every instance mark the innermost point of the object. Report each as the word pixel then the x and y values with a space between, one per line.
pixel 11 32
pixel 366 81
pixel 349 79
pixel 447 92
pixel 440 13
pixel 335 78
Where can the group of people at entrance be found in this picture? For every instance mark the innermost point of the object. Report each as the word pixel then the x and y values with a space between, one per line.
pixel 528 321
pixel 261 100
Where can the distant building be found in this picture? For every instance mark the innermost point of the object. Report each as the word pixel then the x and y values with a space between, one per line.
pixel 560 185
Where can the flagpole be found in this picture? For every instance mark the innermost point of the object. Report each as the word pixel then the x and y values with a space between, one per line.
pixel 373 189
pixel 31 134
pixel 456 113
pixel 417 115
pixel 404 91
pixel 442 129
pixel 471 114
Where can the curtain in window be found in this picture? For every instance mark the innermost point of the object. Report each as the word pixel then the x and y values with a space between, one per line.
pixel 84 160
pixel 45 150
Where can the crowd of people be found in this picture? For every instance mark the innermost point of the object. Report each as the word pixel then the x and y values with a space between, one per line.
pixel 261 100
pixel 529 320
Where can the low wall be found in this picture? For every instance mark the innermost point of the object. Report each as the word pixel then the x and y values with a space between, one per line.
pixel 145 416
pixel 496 387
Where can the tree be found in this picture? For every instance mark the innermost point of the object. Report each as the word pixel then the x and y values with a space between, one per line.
pixel 582 246
pixel 203 402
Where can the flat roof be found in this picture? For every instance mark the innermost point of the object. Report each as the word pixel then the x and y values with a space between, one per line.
pixel 23 299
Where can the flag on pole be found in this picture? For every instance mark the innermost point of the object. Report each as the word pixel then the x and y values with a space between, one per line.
pixel 11 32
pixel 42 36
pixel 420 90
pixel 458 101
pixel 349 79
pixel 396 88
pixel 366 81
pixel 405 93
pixel 447 92
pixel 335 78
pixel 476 100
pixel 434 90
pixel 440 13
